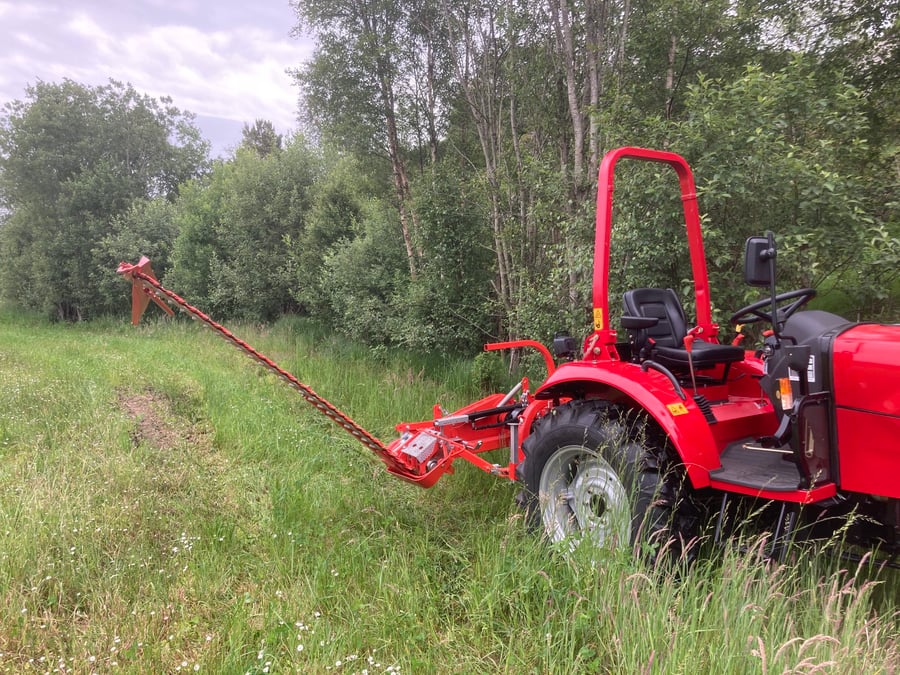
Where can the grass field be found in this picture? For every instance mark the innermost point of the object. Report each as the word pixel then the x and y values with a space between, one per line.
pixel 167 506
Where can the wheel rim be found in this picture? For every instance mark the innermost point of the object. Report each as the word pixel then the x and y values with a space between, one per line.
pixel 582 498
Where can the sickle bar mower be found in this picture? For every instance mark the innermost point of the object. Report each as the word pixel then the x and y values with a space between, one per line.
pixel 424 451
pixel 640 429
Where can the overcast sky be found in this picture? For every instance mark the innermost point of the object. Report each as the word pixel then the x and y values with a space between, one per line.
pixel 223 60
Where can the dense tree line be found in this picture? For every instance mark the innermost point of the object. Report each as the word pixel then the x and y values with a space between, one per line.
pixel 442 191
pixel 80 168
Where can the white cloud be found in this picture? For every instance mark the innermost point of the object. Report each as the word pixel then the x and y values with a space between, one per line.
pixel 31 43
pixel 231 74
pixel 235 71
pixel 10 10
pixel 84 26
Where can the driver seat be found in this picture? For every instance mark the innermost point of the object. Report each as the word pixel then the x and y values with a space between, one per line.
pixel 664 340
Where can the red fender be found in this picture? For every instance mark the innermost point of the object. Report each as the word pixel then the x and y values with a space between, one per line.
pixel 680 419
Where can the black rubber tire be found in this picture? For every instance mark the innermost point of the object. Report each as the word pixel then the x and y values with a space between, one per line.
pixel 595 469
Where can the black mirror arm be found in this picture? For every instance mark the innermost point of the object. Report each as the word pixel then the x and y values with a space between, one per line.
pixel 770 254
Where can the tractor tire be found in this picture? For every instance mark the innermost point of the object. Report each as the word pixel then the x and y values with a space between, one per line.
pixel 598 473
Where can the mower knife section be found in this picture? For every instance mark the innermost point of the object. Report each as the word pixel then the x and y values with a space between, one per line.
pixel 404 459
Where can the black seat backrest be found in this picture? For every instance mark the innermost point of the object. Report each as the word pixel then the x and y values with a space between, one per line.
pixel 663 304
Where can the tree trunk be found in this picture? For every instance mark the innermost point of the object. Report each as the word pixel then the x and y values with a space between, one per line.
pixel 408 220
pixel 483 97
pixel 431 104
pixel 670 76
pixel 562 24
pixel 595 27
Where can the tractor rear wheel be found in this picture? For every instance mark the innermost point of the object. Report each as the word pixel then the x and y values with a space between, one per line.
pixel 597 473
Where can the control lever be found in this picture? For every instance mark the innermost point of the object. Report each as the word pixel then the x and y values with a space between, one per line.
pixel 689 347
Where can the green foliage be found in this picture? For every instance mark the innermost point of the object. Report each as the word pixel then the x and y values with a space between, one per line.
pixel 361 279
pixel 147 228
pixel 672 41
pixel 363 87
pixel 364 278
pixel 261 137
pixel 791 134
pixel 334 218
pixel 349 265
pixel 790 145
pixel 341 95
pixel 455 201
pixel 488 372
pixel 446 307
pixel 73 159
pixel 231 251
pixel 198 211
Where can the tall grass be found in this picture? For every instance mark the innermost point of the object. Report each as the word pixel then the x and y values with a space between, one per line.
pixel 167 506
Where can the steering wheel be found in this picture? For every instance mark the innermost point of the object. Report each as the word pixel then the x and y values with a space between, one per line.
pixel 754 313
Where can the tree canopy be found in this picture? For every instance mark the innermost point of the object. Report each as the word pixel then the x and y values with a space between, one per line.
pixel 442 191
pixel 74 162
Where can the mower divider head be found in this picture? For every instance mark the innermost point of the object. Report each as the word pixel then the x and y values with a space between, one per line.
pixel 141 292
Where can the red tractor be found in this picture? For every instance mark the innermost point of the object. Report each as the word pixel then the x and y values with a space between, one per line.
pixel 627 438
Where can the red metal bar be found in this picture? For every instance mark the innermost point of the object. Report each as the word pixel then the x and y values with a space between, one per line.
pixel 605 186
pixel 534 344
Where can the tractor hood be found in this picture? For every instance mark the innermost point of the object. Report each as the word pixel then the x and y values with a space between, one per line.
pixel 866 378
pixel 867 369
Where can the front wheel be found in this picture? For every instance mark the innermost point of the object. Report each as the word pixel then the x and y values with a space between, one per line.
pixel 594 473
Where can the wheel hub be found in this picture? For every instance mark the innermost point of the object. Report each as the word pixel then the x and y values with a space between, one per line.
pixel 584 499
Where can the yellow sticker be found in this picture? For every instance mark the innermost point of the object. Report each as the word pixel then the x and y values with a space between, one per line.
pixel 598 318
pixel 677 409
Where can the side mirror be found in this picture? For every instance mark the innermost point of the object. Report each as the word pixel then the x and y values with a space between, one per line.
pixel 759 261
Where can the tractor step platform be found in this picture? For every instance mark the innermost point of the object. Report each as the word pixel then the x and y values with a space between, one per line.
pixel 750 469
pixel 747 464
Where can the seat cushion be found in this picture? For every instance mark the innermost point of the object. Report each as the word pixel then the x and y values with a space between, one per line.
pixel 704 355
